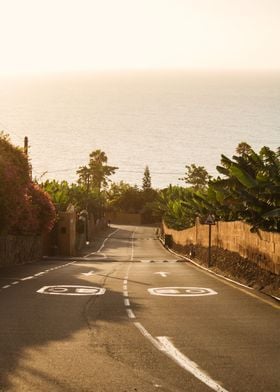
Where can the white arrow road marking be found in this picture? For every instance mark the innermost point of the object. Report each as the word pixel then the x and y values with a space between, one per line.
pixel 88 273
pixel 163 274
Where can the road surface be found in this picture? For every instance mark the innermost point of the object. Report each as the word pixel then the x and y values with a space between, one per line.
pixel 130 316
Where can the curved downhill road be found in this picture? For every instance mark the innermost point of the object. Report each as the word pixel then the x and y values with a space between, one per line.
pixel 130 316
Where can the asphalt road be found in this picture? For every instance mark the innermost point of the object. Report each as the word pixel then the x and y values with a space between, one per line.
pixel 130 316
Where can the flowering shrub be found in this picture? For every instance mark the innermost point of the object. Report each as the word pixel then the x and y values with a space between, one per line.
pixel 42 208
pixel 24 207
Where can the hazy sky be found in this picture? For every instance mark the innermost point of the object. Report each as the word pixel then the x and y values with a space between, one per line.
pixel 58 35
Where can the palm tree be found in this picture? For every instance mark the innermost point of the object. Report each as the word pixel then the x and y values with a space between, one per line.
pixel 95 175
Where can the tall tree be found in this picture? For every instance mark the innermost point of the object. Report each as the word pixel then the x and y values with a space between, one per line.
pixel 96 174
pixel 125 197
pixel 196 176
pixel 147 181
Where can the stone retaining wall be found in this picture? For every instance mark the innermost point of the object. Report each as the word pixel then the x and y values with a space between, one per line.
pixel 19 249
pixel 262 248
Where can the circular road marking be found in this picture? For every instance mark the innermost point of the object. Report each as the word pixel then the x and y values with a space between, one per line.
pixel 181 291
pixel 71 290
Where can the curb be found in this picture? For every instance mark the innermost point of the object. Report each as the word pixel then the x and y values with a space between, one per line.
pixel 214 273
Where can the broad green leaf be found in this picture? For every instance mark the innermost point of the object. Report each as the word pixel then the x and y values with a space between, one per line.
pixel 242 176
pixel 272 214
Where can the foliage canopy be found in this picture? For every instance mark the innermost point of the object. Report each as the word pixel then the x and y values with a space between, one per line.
pixel 248 189
pixel 24 207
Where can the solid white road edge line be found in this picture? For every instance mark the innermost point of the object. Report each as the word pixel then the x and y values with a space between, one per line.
pixel 106 239
pixel 208 270
pixel 103 243
pixel 172 352
pixel 251 292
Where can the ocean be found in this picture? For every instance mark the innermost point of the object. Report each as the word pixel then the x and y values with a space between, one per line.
pixel 163 119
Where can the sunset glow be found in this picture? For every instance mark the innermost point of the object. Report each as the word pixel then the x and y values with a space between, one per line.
pixel 71 35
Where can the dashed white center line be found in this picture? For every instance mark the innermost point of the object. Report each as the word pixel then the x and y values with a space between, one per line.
pixel 132 246
pixel 16 282
pixel 130 314
pixel 163 344
pixel 172 352
pixel 148 336
pixel 27 278
pixel 126 302
pixel 7 286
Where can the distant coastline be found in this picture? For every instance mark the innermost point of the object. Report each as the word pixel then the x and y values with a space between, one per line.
pixel 165 119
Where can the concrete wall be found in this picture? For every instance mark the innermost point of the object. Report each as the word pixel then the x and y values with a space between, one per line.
pixel 122 218
pixel 94 227
pixel 20 249
pixel 261 248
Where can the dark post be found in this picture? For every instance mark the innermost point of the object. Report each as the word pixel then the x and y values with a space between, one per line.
pixel 210 221
pixel 87 230
pixel 26 146
pixel 209 247
pixel 25 149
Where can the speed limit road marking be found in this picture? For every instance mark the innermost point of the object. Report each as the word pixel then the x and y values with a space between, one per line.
pixel 71 290
pixel 181 291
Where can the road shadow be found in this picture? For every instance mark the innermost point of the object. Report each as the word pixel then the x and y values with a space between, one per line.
pixel 31 322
